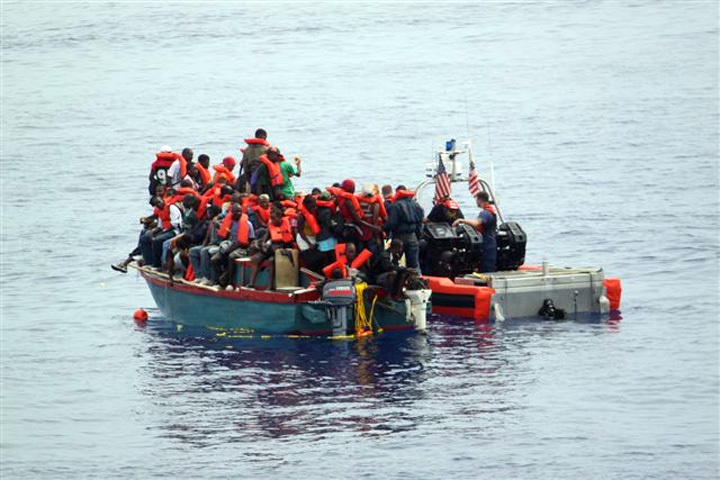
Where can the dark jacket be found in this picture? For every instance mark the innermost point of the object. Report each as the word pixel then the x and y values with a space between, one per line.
pixel 405 216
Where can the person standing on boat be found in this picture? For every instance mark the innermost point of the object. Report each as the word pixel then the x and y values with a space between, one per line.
pixel 159 168
pixel 404 222
pixel 256 147
pixel 446 210
pixel 203 167
pixel 486 224
pixel 289 170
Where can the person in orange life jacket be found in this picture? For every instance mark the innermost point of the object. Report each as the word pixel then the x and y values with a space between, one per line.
pixel 201 255
pixel 195 230
pixel 486 223
pixel 193 176
pixel 384 269
pixel 149 224
pixel 152 243
pixel 279 235
pixel 387 194
pixel 308 229
pixel 190 204
pixel 268 174
pixel 289 170
pixel 225 170
pixel 326 239
pixel 178 169
pixel 446 210
pixel 203 167
pixel 371 235
pixel 262 212
pixel 349 208
pixel 256 147
pixel 404 222
pixel 158 170
pixel 237 233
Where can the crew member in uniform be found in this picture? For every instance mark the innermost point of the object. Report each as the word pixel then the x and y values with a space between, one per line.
pixel 486 224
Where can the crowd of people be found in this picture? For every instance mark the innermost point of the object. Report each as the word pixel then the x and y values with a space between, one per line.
pixel 206 217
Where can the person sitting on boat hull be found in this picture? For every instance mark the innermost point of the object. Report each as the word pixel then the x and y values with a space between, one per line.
pixel 279 235
pixel 237 232
pixel 486 224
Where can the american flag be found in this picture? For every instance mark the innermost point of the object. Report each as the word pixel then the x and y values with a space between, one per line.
pixel 442 182
pixel 473 180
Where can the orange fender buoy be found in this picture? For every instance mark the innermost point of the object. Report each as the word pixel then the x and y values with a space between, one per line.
pixel 140 315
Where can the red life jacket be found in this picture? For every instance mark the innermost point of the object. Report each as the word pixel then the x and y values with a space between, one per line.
pixel 186 191
pixel 202 208
pixel 243 231
pixel 257 141
pixel 165 159
pixel 163 214
pixel 263 213
pixel 403 194
pixel 288 204
pixel 276 178
pixel 310 219
pixel 361 259
pixel 204 174
pixel 366 205
pixel 222 171
pixel 281 233
pixel 345 202
pixel 451 204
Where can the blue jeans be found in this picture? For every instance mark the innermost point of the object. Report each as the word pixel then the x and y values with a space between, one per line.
pixel 411 248
pixel 157 248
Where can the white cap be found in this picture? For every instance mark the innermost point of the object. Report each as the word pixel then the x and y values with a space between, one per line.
pixel 166 148
pixel 368 189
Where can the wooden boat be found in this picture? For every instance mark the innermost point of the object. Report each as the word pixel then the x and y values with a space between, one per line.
pixel 339 308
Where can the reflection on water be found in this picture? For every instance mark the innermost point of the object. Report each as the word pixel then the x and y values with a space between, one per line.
pixel 216 389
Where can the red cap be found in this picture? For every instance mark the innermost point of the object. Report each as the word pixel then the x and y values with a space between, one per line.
pixel 348 186
pixel 229 162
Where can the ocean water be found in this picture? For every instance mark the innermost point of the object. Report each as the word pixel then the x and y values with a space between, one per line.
pixel 600 120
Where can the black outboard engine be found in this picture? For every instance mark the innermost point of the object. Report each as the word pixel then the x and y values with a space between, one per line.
pixel 448 252
pixel 511 242
pixel 339 297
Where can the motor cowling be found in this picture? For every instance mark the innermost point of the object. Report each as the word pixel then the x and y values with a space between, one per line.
pixel 511 242
pixel 339 297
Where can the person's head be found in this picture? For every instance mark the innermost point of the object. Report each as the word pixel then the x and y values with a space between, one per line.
pixel 261 133
pixel 187 154
pixel 400 187
pixel 368 190
pixel 350 252
pixel 236 210
pixel 325 196
pixel 276 215
pixel 226 190
pixel 387 191
pixel 273 154
pixel 166 149
pixel 316 192
pixel 204 160
pixel 229 163
pixel 310 203
pixel 157 202
pixel 160 190
pixel 279 196
pixel 264 200
pixel 337 185
pixel 190 201
pixel 213 211
pixel 396 246
pixel 348 185
pixel 186 183
pixel 192 170
pixel 482 199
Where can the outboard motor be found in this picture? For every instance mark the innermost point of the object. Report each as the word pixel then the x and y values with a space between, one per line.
pixel 448 251
pixel 340 297
pixel 511 241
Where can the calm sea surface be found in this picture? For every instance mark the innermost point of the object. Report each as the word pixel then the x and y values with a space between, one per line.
pixel 601 119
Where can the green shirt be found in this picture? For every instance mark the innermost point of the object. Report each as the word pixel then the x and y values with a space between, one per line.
pixel 288 169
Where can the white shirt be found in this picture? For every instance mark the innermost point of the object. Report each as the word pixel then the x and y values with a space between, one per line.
pixel 173 173
pixel 175 216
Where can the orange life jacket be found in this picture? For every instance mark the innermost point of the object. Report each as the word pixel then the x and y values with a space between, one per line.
pixel 163 214
pixel 257 141
pixel 281 233
pixel 340 262
pixel 243 231
pixel 310 219
pixel 346 201
pixel 186 191
pixel 263 213
pixel 202 208
pixel 204 174
pixel 289 204
pixel 361 259
pixel 276 178
pixel 403 194
pixel 451 204
pixel 167 158
pixel 326 204
pixel 222 171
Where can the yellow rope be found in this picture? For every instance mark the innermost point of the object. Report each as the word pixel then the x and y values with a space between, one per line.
pixel 363 322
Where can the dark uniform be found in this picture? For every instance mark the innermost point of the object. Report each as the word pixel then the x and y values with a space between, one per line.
pixel 489 234
pixel 404 222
